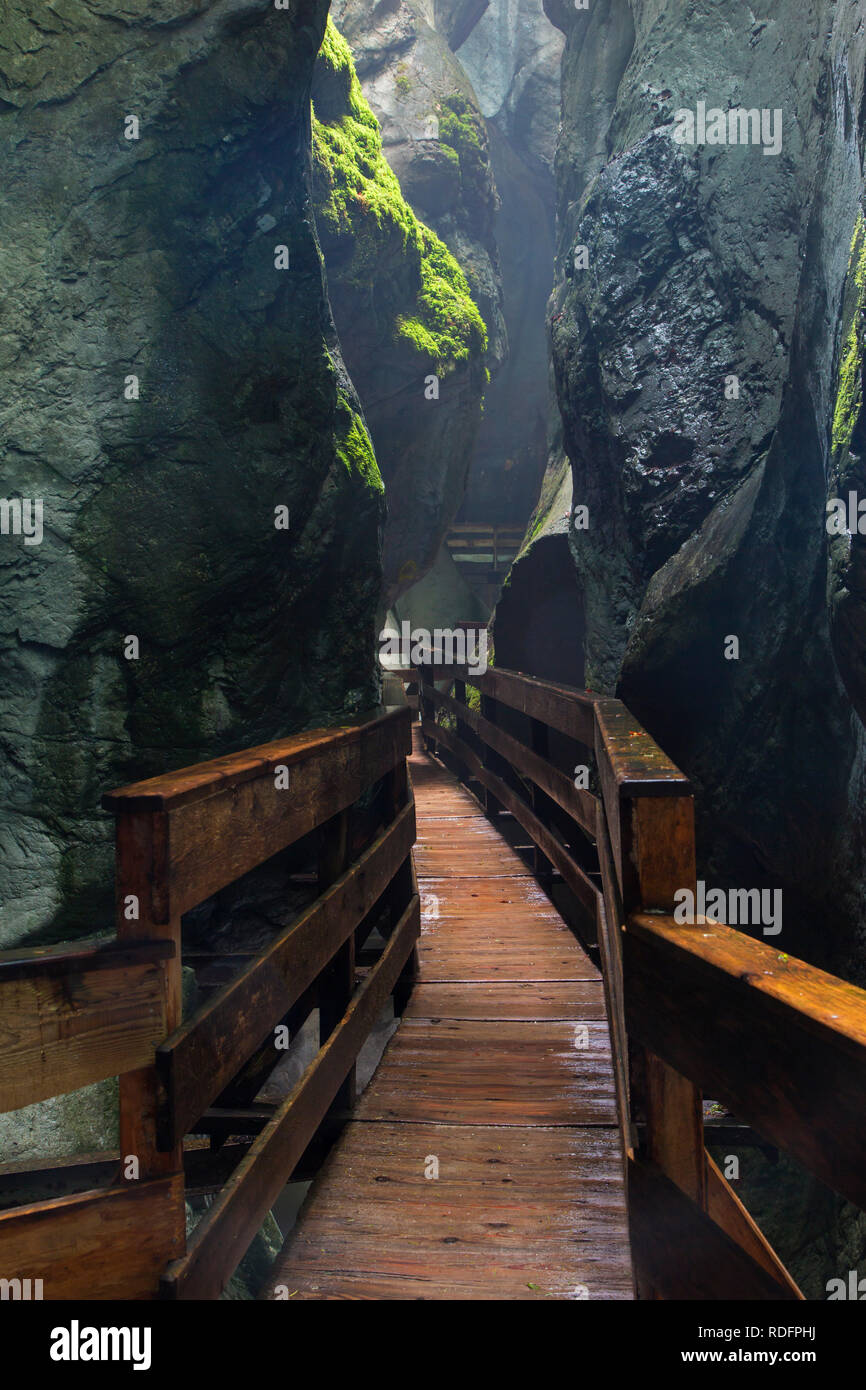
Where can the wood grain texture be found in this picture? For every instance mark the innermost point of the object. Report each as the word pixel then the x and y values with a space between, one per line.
pixel 61 1032
pixel 562 707
pixel 111 1244
pixel 202 1056
pixel 485 1076
pixel 495 1073
pixel 510 999
pixel 514 1214
pixel 173 789
pixel 726 1209
pixel 787 1047
pixel 224 1233
pixel 584 890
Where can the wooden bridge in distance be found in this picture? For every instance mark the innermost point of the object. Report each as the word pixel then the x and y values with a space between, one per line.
pixel 535 1127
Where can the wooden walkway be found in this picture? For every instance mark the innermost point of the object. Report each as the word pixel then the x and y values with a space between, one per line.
pixel 483 1159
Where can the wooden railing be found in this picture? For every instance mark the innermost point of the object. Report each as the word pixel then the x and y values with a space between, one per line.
pixel 779 1042
pixel 80 1014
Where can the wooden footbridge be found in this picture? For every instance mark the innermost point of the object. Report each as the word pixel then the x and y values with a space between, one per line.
pixel 535 1127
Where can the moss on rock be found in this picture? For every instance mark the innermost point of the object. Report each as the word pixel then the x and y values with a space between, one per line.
pixel 849 388
pixel 360 208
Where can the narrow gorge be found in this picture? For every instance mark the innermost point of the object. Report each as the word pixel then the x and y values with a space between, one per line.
pixel 537 319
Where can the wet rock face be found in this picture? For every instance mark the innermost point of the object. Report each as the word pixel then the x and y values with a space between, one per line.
pixel 434 136
pixel 166 388
pixel 467 95
pixel 413 337
pixel 703 299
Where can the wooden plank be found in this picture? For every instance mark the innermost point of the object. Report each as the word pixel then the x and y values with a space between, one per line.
pixel 171 790
pixel 681 1253
pixel 59 1032
pixel 514 1214
pixel 217 840
pixel 561 707
pixel 659 851
pixel 141 878
pixel 529 1000
pixel 583 888
pixel 203 1055
pixel 110 1244
pixel 337 981
pixel 79 957
pixel 726 1209
pixel 609 935
pixel 497 1073
pixel 637 764
pixel 221 1237
pixel 787 1049
pixel 459 856
pixel 577 803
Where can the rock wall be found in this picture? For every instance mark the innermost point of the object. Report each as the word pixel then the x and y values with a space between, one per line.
pixel 706 345
pixel 413 337
pixel 167 386
pixel 467 98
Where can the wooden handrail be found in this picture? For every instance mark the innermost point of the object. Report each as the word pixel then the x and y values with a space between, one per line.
pixel 804 1087
pixel 787 1047
pixel 80 1013
pixel 786 1050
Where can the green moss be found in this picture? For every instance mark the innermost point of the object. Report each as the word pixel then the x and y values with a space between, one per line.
pixel 849 387
pixel 359 202
pixel 354 447
pixel 461 131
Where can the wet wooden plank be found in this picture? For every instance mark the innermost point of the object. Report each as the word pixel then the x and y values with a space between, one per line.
pixel 787 1047
pixel 509 999
pixel 459 857
pixel 60 1033
pixel 497 1073
pixel 109 1244
pixel 501 1092
pixel 513 1214
pixel 202 780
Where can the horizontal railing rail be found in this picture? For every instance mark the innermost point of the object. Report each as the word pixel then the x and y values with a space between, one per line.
pixel 72 1015
pixel 690 1007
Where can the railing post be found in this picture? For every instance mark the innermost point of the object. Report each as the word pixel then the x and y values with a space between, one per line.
pixel 659 858
pixel 462 729
pixel 403 886
pixel 337 981
pixel 539 737
pixel 144 912
pixel 492 807
pixel 426 710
